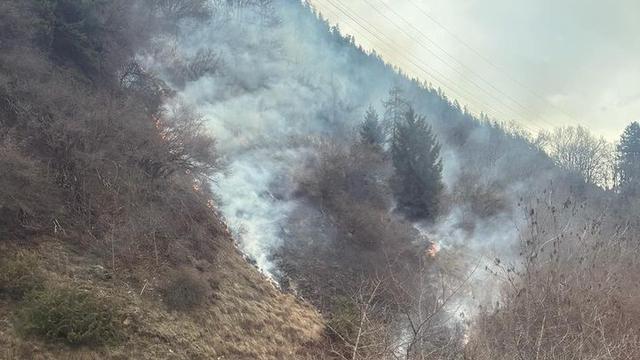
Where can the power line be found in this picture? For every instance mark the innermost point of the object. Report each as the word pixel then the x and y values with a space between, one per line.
pixel 346 12
pixel 499 69
pixel 352 17
pixel 444 83
pixel 452 58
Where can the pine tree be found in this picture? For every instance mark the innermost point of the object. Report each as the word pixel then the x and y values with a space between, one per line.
pixel 418 168
pixel 395 107
pixel 371 131
pixel 628 165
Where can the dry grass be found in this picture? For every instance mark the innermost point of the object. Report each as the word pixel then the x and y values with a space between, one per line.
pixel 574 295
pixel 185 290
pixel 249 319
pixel 123 169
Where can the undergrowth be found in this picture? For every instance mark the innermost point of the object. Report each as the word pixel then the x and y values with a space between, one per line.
pixel 184 291
pixel 69 315
pixel 19 275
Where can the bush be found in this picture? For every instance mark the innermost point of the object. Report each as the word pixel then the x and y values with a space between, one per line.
pixel 184 291
pixel 15 27
pixel 483 199
pixel 19 276
pixel 81 152
pixel 28 201
pixel 573 293
pixel 357 171
pixel 69 315
pixel 345 319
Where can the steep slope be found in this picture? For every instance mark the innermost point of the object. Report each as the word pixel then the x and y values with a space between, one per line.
pixel 131 132
pixel 110 245
pixel 286 83
pixel 312 207
pixel 246 318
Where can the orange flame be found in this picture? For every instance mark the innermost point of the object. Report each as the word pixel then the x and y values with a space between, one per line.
pixel 433 250
pixel 197 185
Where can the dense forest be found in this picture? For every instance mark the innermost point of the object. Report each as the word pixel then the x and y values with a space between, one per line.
pixel 238 179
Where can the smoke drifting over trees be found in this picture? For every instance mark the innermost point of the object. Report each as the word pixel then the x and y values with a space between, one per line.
pixel 419 229
pixel 310 188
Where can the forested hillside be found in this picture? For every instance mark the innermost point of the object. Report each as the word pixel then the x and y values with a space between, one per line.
pixel 110 243
pixel 239 180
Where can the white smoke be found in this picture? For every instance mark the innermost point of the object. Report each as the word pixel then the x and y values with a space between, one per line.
pixel 252 210
pixel 276 88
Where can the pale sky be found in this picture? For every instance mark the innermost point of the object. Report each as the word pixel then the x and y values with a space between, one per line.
pixel 541 63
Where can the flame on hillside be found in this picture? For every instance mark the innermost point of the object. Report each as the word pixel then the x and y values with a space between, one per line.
pixel 433 250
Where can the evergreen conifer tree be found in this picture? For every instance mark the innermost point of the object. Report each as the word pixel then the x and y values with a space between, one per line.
pixel 418 168
pixel 371 131
pixel 395 107
pixel 628 156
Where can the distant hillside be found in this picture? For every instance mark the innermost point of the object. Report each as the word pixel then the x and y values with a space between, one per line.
pixel 199 179
pixel 284 80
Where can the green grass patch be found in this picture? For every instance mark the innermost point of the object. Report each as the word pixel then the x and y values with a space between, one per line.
pixel 19 275
pixel 69 315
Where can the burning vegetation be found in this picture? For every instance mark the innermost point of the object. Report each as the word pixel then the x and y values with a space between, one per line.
pixel 150 150
pixel 433 250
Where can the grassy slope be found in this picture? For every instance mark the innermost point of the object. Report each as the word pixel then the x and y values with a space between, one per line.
pixel 246 319
pixel 47 104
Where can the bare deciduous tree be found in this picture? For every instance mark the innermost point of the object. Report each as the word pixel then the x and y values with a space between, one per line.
pixel 577 150
pixel 572 295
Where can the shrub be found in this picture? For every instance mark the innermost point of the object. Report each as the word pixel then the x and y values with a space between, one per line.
pixel 484 199
pixel 573 293
pixel 19 276
pixel 176 10
pixel 95 36
pixel 184 291
pixel 349 185
pixel 81 152
pixel 69 315
pixel 183 145
pixel 345 318
pixel 357 171
pixel 14 26
pixel 28 200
